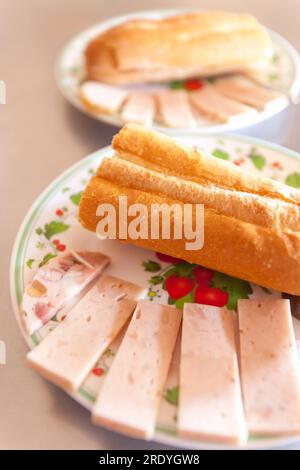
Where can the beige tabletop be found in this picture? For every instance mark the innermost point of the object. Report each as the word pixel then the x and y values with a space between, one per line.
pixel 40 136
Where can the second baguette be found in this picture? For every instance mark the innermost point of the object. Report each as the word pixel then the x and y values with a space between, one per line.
pixel 178 47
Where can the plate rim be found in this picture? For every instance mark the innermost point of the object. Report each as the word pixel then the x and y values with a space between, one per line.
pixel 198 131
pixel 18 247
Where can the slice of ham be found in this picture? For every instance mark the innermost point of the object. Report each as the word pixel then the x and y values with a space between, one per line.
pixel 139 107
pixel 174 109
pixel 210 102
pixel 56 284
pixel 210 399
pixel 130 397
pixel 68 353
pixel 246 91
pixel 102 98
pixel 269 366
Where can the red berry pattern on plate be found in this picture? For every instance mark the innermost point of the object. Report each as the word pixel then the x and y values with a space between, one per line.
pixel 178 287
pixel 203 276
pixel 98 371
pixel 193 84
pixel 61 247
pixel 168 259
pixel 211 296
pixel 185 282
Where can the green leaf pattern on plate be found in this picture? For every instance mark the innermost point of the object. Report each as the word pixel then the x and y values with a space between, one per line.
pixel 236 288
pixel 220 154
pixel 53 228
pixel 171 395
pixel 258 160
pixel 293 179
pixel 75 198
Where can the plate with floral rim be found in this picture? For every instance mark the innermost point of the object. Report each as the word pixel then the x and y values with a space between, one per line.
pixel 282 73
pixel 51 227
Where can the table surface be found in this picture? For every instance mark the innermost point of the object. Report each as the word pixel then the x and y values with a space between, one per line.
pixel 41 135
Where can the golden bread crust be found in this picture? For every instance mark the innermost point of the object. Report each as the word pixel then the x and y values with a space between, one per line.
pixel 251 226
pixel 203 43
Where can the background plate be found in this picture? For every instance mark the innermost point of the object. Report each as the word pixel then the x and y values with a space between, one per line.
pixel 283 73
pixel 58 205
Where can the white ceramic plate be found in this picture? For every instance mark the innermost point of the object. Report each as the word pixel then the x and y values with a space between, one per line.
pixel 283 73
pixel 58 206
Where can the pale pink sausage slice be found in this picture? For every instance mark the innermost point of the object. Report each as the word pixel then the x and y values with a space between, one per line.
pixel 102 98
pixel 130 396
pixel 210 399
pixel 68 353
pixel 174 109
pixel 56 284
pixel 212 104
pixel 139 107
pixel 269 366
pixel 246 91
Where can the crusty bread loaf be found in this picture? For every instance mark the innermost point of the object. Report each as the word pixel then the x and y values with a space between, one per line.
pixel 252 224
pixel 177 47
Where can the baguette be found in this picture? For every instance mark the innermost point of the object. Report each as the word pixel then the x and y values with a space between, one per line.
pixel 200 43
pixel 251 223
